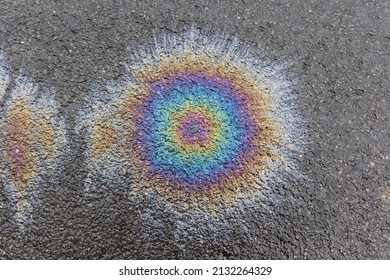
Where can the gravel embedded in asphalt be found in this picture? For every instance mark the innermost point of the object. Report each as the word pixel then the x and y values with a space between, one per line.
pixel 339 54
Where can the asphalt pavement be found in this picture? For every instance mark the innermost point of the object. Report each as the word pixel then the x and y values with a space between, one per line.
pixel 339 55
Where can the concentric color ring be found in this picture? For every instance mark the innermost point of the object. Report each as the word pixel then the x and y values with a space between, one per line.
pixel 200 119
pixel 199 124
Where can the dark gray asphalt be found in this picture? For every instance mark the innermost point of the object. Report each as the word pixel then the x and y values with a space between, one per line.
pixel 340 53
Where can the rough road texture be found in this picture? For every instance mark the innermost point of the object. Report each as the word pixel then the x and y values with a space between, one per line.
pixel 340 53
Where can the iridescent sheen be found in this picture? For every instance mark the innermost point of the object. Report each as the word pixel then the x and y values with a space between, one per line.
pixel 194 130
pixel 32 137
pixel 200 124
pixel 199 120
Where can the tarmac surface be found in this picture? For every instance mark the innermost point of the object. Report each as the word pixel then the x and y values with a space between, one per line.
pixel 339 51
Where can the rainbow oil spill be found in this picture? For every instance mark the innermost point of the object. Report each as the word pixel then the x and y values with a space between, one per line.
pixel 201 120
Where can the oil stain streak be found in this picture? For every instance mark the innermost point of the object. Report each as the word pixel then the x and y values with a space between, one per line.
pixel 32 139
